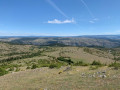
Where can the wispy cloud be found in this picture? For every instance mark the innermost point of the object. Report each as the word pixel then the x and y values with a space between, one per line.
pixel 91 21
pixel 56 7
pixel 88 9
pixel 56 21
pixel 94 20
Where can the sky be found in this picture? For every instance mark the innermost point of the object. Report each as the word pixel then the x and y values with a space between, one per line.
pixel 59 17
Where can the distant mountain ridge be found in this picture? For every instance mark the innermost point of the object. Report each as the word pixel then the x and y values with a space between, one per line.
pixel 108 41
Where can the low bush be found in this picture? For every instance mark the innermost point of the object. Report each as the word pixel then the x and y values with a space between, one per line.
pixel 3 71
pixel 28 67
pixel 115 65
pixel 67 60
pixel 52 66
pixel 34 66
pixel 80 63
pixel 117 58
pixel 45 65
pixel 98 63
pixel 11 69
pixel 17 69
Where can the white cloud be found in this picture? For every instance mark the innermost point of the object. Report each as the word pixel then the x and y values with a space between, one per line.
pixel 94 20
pixel 56 21
pixel 91 21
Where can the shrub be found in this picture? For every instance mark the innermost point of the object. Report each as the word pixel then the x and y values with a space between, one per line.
pixel 28 67
pixel 67 60
pixel 80 63
pixel 45 65
pixel 115 65
pixel 17 69
pixel 117 58
pixel 3 71
pixel 11 69
pixel 52 66
pixel 96 63
pixel 34 66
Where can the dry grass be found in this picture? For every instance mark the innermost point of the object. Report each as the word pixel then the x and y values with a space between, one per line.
pixel 75 53
pixel 78 54
pixel 49 79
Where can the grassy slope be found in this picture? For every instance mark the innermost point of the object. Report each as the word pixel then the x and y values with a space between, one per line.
pixel 44 78
pixel 49 79
pixel 78 54
pixel 7 50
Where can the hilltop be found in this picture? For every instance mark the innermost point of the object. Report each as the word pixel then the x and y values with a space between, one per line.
pixel 50 67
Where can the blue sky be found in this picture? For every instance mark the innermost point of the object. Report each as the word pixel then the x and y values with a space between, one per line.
pixel 59 17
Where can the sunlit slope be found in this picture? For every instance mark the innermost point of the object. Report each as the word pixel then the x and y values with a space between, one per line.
pixel 10 50
pixel 75 53
pixel 79 78
pixel 91 41
pixel 78 54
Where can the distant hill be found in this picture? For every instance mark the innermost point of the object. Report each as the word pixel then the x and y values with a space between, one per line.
pixel 108 41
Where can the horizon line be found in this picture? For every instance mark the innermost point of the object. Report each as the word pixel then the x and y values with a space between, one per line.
pixel 58 35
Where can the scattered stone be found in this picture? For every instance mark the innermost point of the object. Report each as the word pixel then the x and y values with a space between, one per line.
pixel 103 72
pixel 67 69
pixel 98 72
pixel 93 75
pixel 90 75
pixel 103 76
pixel 83 75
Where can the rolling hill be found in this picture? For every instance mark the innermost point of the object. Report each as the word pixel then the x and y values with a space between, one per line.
pixel 108 41
pixel 55 66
